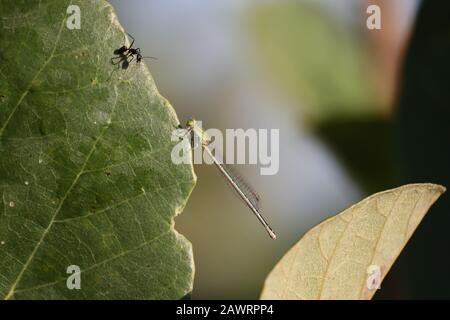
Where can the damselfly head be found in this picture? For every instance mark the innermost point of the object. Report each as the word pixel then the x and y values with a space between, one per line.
pixel 191 123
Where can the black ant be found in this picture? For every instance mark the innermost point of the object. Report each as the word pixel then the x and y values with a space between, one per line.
pixel 124 53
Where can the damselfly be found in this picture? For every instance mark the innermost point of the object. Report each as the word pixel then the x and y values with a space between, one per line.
pixel 245 192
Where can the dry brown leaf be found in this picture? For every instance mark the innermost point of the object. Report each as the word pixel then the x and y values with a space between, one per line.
pixel 332 260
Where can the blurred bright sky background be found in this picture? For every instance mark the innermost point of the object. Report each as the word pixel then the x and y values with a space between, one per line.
pixel 210 67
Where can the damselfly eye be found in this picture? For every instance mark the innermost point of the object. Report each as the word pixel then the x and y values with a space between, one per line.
pixel 190 123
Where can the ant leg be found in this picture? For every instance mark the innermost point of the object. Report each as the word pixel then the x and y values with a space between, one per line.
pixel 132 42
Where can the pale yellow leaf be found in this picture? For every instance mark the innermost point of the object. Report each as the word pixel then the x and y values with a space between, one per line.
pixel 332 260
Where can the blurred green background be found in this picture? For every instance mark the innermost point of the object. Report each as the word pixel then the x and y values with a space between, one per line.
pixel 359 111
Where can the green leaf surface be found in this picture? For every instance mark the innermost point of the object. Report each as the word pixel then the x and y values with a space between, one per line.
pixel 332 260
pixel 86 176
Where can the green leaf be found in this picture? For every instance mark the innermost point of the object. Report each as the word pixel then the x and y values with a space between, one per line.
pixel 331 261
pixel 86 176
